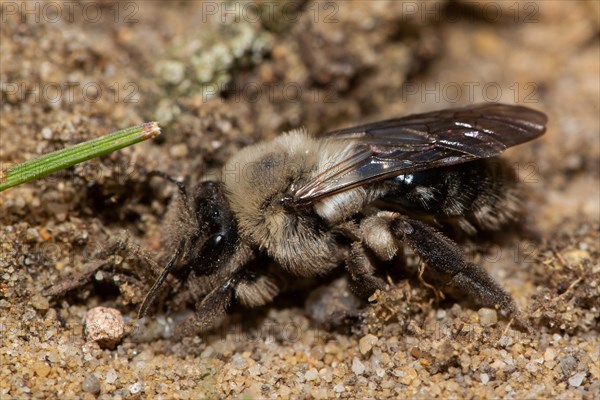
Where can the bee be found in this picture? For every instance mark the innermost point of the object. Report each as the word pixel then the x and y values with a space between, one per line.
pixel 351 199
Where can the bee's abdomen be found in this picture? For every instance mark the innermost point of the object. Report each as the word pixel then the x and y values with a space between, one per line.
pixel 480 194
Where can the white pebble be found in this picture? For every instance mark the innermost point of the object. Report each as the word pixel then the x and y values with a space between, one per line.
pixel 224 125
pixel 487 316
pixel 111 376
pixel 208 352
pixel 485 378
pixel 47 133
pixel 239 362
pixel 254 370
pixel 91 384
pixel 104 325
pixel 135 388
pixel 311 374
pixel 556 338
pixel 532 367
pixel 577 379
pixel 339 388
pixel 549 354
pixel 357 367
pixel 506 341
pixel 326 374
pixel 366 343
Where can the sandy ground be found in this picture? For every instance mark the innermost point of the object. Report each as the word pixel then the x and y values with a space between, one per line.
pixel 220 76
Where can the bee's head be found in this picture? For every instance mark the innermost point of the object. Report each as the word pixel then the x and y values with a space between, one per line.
pixel 208 241
pixel 216 235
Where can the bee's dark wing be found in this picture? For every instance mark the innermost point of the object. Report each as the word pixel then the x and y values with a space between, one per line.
pixel 423 141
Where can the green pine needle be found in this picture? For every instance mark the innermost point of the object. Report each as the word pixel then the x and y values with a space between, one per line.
pixel 70 156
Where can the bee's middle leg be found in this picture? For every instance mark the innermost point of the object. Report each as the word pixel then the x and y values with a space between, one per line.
pixel 375 242
pixel 360 266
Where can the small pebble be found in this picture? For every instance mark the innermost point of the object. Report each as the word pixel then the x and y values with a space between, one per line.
pixel 410 375
pixel 208 352
pixel 178 150
pixel 339 388
pixel 506 341
pixel 284 391
pixel 366 343
pixel 532 367
pixel 32 235
pixel 91 384
pixel 111 376
pixel 224 125
pixel 47 133
pixel 487 316
pixel 485 378
pixel 416 352
pixel 238 361
pixel 39 302
pixel 135 388
pixel 311 374
pixel 41 369
pixel 357 367
pixel 549 354
pixel 576 256
pixel 326 374
pixel 321 394
pixel 254 370
pixel 567 364
pixel 105 326
pixel 577 379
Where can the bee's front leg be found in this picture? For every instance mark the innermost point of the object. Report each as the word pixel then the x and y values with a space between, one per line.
pixel 210 309
pixel 250 288
pixel 121 244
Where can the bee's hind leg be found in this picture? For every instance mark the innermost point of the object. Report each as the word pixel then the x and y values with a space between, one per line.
pixel 444 256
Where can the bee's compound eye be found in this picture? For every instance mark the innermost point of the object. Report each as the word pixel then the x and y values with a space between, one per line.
pixel 211 252
pixel 209 184
pixel 216 240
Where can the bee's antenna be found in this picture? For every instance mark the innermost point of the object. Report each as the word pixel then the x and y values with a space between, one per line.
pixel 159 282
pixel 180 185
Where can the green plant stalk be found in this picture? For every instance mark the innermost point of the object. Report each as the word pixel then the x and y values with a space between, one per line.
pixel 61 159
